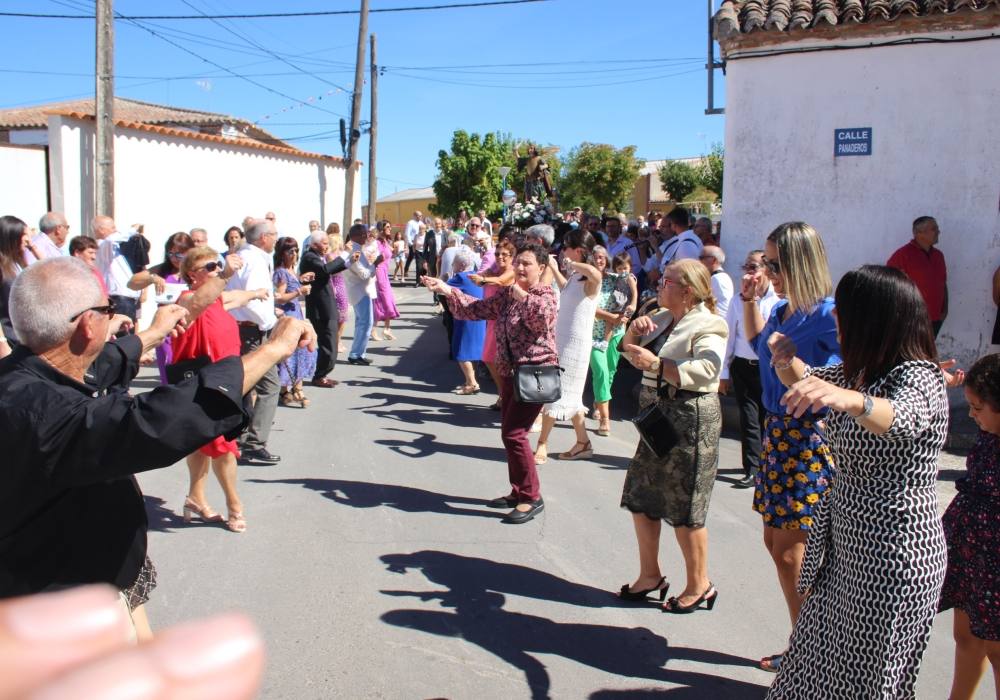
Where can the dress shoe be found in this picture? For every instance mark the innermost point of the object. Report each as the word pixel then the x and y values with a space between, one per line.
pixel 324 383
pixel 502 502
pixel 516 517
pixel 746 482
pixel 359 360
pixel 261 456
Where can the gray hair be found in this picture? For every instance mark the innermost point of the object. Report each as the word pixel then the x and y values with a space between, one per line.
pixel 257 229
pixel 46 296
pixel 453 240
pixel 543 232
pixel 463 260
pixel 195 230
pixel 318 237
pixel 716 252
pixel 50 222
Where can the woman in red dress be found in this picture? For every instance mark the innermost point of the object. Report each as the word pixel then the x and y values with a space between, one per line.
pixel 211 333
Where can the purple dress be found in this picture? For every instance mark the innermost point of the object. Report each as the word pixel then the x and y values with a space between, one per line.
pixel 972 531
pixel 340 295
pixel 302 364
pixel 385 300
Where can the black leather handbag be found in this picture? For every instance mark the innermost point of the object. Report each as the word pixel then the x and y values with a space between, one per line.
pixel 536 383
pixel 655 427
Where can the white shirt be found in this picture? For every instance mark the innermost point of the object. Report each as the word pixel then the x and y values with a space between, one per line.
pixel 722 288
pixel 359 277
pixel 412 226
pixel 257 273
pixel 683 245
pixel 114 266
pixel 44 245
pixel 619 246
pixel 737 345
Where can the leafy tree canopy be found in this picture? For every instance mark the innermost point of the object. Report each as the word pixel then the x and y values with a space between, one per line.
pixel 710 171
pixel 599 175
pixel 679 179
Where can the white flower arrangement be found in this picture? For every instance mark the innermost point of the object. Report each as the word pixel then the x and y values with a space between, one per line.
pixel 533 212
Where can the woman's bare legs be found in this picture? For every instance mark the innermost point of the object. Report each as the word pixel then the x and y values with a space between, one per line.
pixel 647 537
pixel 386 333
pixel 603 409
pixel 787 548
pixel 694 546
pixel 468 373
pixel 197 464
pixel 582 441
pixel 340 334
pixel 542 450
pixel 225 471
pixel 143 632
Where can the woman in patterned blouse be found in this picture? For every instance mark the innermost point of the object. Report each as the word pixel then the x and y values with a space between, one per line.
pixel 525 316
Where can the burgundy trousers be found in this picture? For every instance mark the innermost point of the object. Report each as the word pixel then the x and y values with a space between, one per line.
pixel 516 421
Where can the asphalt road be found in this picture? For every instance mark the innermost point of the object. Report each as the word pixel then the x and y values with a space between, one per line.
pixel 374 569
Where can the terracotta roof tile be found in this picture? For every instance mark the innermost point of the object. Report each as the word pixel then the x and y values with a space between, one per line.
pixel 213 138
pixel 746 16
pixel 34 116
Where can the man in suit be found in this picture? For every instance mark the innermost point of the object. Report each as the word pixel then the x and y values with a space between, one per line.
pixel 321 307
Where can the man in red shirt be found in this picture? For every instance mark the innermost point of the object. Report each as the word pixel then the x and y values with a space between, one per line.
pixel 924 264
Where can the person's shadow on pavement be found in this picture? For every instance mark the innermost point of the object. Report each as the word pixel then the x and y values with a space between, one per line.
pixel 365 494
pixel 479 618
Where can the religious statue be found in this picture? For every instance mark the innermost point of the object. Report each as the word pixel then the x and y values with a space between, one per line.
pixel 537 184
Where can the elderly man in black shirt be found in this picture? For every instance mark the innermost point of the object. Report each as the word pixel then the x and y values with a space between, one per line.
pixel 321 305
pixel 70 510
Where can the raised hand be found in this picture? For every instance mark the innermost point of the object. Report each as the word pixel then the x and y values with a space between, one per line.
pixel 782 348
pixel 813 394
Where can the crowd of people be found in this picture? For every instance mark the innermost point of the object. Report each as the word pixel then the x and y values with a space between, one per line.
pixel 841 394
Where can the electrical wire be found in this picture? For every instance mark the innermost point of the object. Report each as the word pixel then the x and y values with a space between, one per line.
pixel 266 15
pixel 545 87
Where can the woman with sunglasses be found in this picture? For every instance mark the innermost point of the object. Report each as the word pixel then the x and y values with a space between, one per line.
pixel 158 276
pixel 796 467
pixel 290 289
pixel 740 369
pixel 213 334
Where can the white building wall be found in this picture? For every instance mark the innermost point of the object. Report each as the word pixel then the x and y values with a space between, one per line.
pixel 175 184
pixel 935 151
pixel 23 190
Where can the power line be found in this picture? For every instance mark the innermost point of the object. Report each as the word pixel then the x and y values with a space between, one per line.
pixel 544 87
pixel 266 15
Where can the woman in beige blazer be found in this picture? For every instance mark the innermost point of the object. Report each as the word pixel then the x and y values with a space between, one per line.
pixel 680 350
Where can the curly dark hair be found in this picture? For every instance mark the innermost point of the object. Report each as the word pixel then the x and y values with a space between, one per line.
pixel 983 380
pixel 539 251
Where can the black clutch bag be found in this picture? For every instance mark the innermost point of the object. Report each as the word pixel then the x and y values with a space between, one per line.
pixel 537 383
pixel 185 369
pixel 656 430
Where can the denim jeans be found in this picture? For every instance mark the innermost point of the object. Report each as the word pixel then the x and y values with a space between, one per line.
pixel 363 322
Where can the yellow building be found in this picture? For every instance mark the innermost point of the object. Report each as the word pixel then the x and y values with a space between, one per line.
pixel 398 207
pixel 649 194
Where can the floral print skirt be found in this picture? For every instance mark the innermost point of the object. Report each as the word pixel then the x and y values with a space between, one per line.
pixel 678 487
pixel 796 472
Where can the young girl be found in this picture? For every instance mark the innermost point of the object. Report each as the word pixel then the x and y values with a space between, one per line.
pixel 398 255
pixel 624 297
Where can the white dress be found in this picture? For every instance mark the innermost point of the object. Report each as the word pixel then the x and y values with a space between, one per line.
pixel 574 341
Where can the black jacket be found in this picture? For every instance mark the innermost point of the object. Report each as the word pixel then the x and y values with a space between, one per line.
pixel 321 304
pixel 70 510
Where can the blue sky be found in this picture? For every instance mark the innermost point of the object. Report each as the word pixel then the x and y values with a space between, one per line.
pixel 559 72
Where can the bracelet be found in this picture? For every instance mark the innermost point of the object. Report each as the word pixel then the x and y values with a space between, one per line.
pixel 785 366
pixel 749 299
pixel 656 366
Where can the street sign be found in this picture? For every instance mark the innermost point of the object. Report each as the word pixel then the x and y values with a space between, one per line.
pixel 856 141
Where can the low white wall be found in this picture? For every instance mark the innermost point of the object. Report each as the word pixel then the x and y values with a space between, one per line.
pixel 23 187
pixel 935 152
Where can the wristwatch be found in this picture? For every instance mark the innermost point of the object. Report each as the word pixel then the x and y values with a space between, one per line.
pixel 869 406
pixel 655 367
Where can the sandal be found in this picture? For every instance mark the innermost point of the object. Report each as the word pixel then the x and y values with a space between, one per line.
pixel 236 522
pixel 586 453
pixel 468 390
pixel 204 513
pixel 673 605
pixel 604 430
pixel 544 455
pixel 300 397
pixel 388 336
pixel 287 398
pixel 772 663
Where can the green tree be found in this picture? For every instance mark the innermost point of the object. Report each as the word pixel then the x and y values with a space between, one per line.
pixel 679 179
pixel 710 170
pixel 467 176
pixel 597 175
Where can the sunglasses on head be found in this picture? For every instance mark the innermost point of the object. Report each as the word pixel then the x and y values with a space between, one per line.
pixel 108 309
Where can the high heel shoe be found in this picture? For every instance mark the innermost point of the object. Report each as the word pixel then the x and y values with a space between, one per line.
pixel 708 598
pixel 639 596
pixel 205 514
pixel 236 522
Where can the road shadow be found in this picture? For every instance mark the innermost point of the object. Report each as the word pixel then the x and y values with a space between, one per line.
pixel 364 494
pixel 475 595
pixel 427 445
pixel 430 409
pixel 160 517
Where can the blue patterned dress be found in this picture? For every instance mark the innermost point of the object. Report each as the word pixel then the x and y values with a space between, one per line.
pixel 302 364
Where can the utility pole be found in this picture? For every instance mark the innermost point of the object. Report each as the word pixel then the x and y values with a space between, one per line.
pixel 373 137
pixel 355 132
pixel 104 109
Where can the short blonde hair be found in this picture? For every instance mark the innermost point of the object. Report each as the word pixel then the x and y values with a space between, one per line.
pixel 336 242
pixel 193 257
pixel 804 266
pixel 695 276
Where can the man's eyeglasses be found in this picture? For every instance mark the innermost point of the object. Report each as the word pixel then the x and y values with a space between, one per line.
pixel 773 266
pixel 473 226
pixel 108 309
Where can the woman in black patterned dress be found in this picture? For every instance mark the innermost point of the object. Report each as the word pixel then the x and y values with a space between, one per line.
pixel 972 530
pixel 875 560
